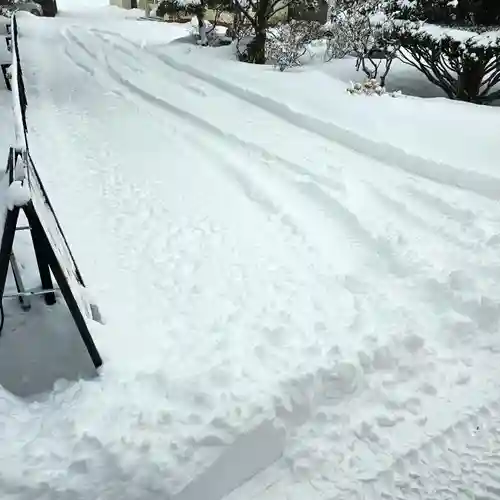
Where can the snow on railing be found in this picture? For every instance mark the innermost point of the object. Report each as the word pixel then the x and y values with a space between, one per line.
pixel 23 172
pixel 18 91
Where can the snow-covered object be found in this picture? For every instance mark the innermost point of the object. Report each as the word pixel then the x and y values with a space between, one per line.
pixel 446 55
pixel 286 43
pixel 467 38
pixel 16 99
pixel 185 3
pixel 339 40
pixel 201 32
pixel 370 87
pixel 18 194
pixel 20 168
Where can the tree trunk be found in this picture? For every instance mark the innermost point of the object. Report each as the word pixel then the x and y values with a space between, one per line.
pixel 257 48
pixel 202 30
pixel 237 21
pixel 469 81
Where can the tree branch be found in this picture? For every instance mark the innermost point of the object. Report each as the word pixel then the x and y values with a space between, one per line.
pixel 245 13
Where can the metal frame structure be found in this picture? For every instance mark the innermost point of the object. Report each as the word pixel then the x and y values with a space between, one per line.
pixel 46 245
pixel 48 265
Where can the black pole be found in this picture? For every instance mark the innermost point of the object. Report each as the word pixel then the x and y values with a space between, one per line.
pixel 5 68
pixel 9 231
pixel 10 166
pixel 42 258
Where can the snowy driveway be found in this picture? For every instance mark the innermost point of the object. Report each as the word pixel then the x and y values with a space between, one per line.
pixel 249 268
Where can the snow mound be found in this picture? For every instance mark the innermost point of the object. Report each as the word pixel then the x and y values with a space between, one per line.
pixel 18 194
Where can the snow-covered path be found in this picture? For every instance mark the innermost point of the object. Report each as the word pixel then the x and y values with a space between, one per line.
pixel 249 269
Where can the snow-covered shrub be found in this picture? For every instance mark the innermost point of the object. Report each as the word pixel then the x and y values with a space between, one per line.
pixel 203 31
pixel 243 35
pixel 461 54
pixel 339 39
pixel 195 29
pixel 370 87
pixel 258 14
pixel 173 8
pixel 363 28
pixel 448 12
pixel 287 42
pixel 179 8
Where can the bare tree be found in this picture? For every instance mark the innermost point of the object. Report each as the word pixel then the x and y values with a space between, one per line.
pixel 258 15
pixel 338 34
pixel 362 28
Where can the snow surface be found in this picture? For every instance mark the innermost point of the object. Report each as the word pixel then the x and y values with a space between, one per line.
pixel 290 276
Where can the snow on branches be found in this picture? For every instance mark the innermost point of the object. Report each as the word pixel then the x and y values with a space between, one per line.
pixel 364 29
pixel 454 51
pixel 258 15
pixel 287 42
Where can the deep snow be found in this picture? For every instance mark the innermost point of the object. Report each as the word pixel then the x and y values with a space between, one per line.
pixel 272 256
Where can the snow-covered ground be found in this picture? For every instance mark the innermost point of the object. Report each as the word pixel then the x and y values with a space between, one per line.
pixel 291 277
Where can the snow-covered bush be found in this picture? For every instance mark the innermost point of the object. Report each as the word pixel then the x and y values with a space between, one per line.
pixel 370 87
pixel 258 14
pixel 363 28
pixel 243 35
pixel 461 54
pixel 195 29
pixel 203 31
pixel 173 8
pixel 448 12
pixel 287 42
pixel 339 39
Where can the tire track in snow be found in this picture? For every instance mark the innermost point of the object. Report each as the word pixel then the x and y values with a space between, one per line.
pixel 91 71
pixel 404 213
pixel 317 192
pixel 445 239
pixel 387 154
pixel 294 167
pixel 350 221
pixel 439 235
pixel 460 461
pixel 330 207
pixel 239 176
pixel 318 195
